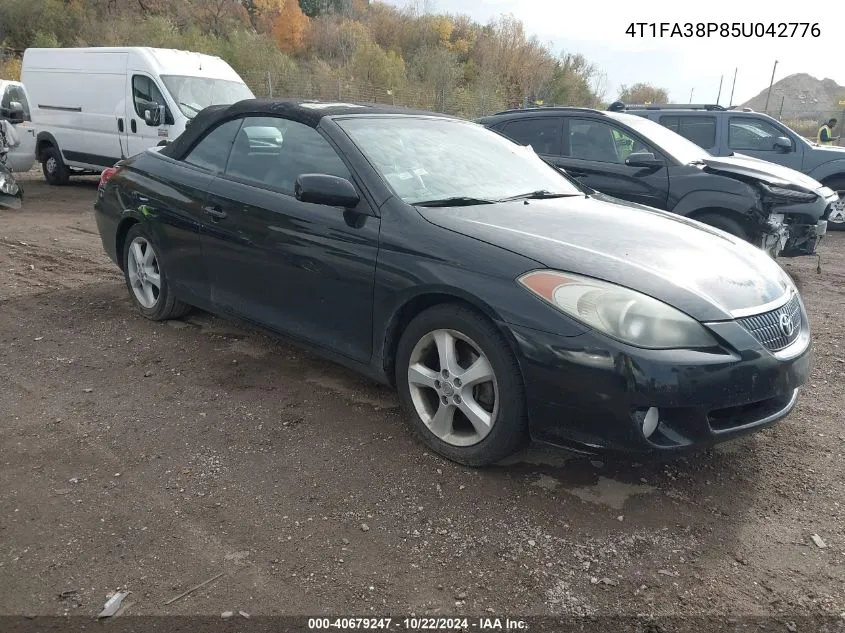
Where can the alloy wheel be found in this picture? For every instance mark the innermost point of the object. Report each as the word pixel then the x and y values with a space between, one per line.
pixel 453 387
pixel 144 272
pixel 51 165
pixel 837 210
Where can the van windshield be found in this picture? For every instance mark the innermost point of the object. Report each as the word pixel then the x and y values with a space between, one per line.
pixel 192 94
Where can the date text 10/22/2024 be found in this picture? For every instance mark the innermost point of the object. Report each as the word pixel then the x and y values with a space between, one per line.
pixel 418 624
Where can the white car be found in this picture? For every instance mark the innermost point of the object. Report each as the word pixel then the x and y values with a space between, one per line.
pixel 95 106
pixel 15 107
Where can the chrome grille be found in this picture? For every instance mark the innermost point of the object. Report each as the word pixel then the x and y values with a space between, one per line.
pixel 767 328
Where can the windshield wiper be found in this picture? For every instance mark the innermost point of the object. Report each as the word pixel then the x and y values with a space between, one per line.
pixel 188 105
pixel 455 201
pixel 542 194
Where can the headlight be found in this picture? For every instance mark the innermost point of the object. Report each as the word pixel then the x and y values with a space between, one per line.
pixel 624 314
pixel 788 194
pixel 7 185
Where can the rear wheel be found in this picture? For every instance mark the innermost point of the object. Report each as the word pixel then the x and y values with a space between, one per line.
pixel 836 217
pixel 461 386
pixel 146 279
pixel 53 166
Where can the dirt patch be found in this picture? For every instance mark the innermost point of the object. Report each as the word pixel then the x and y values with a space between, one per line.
pixel 155 456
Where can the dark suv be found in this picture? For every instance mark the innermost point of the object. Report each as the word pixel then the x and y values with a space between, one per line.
pixel 638 160
pixel 727 132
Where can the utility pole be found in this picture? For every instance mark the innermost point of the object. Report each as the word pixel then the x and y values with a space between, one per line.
pixel 690 94
pixel 733 87
pixel 769 94
pixel 719 96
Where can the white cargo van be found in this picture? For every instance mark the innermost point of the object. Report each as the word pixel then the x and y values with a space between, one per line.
pixel 94 106
pixel 14 107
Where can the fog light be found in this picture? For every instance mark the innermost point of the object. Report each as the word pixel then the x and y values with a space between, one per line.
pixel 648 419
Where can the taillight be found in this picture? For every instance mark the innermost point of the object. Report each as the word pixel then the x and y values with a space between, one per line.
pixel 108 172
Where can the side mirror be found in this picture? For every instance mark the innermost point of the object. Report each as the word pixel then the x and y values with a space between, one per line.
pixel 783 144
pixel 643 159
pixel 154 116
pixel 325 189
pixel 16 110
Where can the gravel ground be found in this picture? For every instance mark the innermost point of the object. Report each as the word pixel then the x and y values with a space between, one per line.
pixel 156 456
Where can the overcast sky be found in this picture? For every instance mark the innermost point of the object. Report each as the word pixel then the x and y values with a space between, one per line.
pixel 597 30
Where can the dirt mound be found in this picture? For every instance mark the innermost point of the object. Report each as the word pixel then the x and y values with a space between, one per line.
pixel 803 96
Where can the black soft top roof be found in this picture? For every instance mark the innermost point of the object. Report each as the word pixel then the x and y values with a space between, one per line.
pixel 308 112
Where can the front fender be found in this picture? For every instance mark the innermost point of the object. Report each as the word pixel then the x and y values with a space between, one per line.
pixel 828 170
pixel 711 200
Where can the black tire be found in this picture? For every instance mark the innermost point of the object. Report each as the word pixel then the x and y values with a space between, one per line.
pixel 838 185
pixel 509 429
pixel 723 222
pixel 166 305
pixel 53 166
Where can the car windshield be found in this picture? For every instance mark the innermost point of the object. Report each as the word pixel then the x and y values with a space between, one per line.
pixel 192 94
pixel 673 144
pixel 430 160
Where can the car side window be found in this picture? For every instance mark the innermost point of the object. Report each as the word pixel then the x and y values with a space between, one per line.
pixel 542 134
pixel 601 142
pixel 746 133
pixel 16 93
pixel 701 130
pixel 274 152
pixel 213 150
pixel 146 95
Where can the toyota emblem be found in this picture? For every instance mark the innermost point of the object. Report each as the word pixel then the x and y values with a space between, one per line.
pixel 786 325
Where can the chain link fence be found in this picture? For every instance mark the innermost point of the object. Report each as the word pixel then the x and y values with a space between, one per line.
pixel 469 103
pixel 465 102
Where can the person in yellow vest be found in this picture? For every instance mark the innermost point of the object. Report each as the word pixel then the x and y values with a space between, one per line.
pixel 826 136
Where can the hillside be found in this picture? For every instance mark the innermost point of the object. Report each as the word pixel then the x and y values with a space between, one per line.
pixel 804 97
pixel 357 50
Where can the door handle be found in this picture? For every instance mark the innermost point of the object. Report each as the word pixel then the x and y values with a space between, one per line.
pixel 133 125
pixel 216 213
pixel 120 125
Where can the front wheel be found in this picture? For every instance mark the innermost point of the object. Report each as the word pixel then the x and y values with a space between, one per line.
pixel 54 168
pixel 728 225
pixel 461 386
pixel 146 279
pixel 836 216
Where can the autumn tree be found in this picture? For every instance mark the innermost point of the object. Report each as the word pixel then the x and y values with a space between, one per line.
pixel 643 93
pixel 289 27
pixel 263 13
pixel 437 70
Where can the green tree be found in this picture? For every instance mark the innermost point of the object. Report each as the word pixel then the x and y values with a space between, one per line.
pixel 372 64
pixel 437 70
pixel 643 93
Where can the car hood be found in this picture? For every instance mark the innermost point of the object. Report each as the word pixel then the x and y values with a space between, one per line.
pixel 761 170
pixel 832 149
pixel 702 271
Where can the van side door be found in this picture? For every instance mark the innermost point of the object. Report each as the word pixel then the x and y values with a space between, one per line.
pixel 147 123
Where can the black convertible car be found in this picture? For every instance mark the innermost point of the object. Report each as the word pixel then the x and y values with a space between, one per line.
pixel 428 252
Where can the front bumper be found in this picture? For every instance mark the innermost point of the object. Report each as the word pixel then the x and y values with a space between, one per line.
pixel 584 392
pixel 804 239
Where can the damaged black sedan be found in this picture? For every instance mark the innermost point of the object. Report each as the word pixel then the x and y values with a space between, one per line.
pixel 635 159
pixel 432 254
